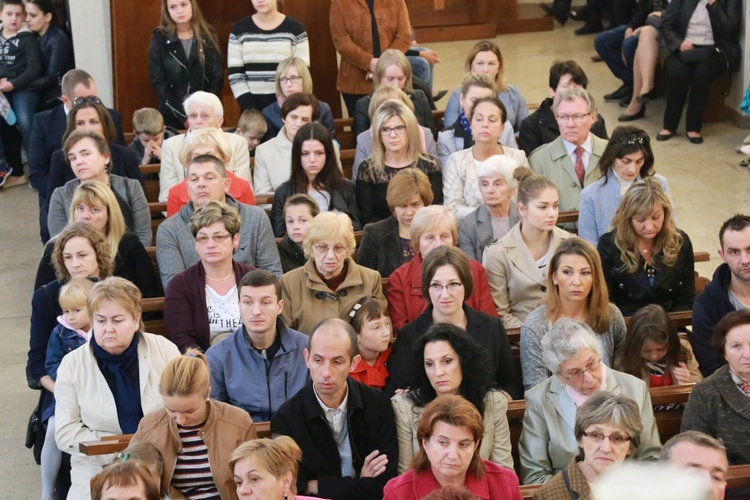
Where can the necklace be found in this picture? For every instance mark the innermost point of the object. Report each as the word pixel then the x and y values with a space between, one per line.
pixel 222 279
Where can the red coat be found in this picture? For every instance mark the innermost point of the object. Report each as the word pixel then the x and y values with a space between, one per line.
pixel 239 189
pixel 498 483
pixel 405 300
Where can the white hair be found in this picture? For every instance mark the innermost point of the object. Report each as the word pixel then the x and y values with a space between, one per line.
pixel 564 340
pixel 501 165
pixel 205 98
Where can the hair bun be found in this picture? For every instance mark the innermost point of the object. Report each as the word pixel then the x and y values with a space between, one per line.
pixel 521 173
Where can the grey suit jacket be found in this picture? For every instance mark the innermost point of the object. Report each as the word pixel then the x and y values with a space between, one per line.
pixel 475 231
pixel 548 441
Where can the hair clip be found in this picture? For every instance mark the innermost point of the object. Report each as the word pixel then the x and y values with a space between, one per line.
pixel 356 307
pixel 125 457
pixel 190 355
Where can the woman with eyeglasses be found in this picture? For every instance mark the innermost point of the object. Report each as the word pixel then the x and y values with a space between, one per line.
pixel 646 259
pixel 573 353
pixel 200 303
pixel 627 158
pixel 330 283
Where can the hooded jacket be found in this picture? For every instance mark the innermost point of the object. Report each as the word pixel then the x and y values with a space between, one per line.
pixel 20 60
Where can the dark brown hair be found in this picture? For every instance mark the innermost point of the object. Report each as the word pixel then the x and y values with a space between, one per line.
pixel 260 277
pixel 626 140
pixel 569 67
pixel 652 323
pixel 108 124
pixel 330 178
pixel 446 256
pixel 294 101
pixel 729 322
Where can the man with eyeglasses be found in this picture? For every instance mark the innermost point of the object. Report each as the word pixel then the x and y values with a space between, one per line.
pixel 203 110
pixel 570 160
pixel 207 181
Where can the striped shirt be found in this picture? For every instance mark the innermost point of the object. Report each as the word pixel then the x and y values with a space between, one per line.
pixel 192 473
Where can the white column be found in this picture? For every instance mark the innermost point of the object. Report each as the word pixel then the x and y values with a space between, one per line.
pixel 92 42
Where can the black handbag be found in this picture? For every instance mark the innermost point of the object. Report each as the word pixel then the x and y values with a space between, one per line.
pixel 36 431
pixel 697 54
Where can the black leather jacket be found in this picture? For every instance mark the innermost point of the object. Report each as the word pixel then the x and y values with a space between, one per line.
pixel 56 51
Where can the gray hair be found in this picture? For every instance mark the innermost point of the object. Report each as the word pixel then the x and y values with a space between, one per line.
pixel 570 94
pixel 501 165
pixel 205 98
pixel 616 410
pixel 693 437
pixel 564 340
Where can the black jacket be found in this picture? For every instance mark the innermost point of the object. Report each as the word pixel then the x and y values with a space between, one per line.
pixel 709 307
pixel 343 200
pixel 540 128
pixel 175 75
pixel 20 61
pixel 486 330
pixel 380 248
pixel 56 52
pixel 674 287
pixel 371 425
pixel 291 254
pixel 421 110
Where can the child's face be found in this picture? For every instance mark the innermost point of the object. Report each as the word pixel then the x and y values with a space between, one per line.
pixel 77 317
pixel 146 138
pixel 652 351
pixel 12 17
pixel 253 138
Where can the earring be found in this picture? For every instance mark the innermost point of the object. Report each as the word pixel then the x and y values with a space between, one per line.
pixel 286 497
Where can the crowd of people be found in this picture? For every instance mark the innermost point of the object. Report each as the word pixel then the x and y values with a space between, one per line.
pixel 384 368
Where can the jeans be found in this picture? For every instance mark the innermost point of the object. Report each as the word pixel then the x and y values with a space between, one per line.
pixel 24 104
pixel 613 47
pixel 420 68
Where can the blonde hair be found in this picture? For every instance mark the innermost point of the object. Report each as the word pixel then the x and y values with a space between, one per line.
pixel 92 193
pixel 429 219
pixel 388 58
pixel 96 239
pixel 118 290
pixel 251 120
pixel 487 46
pixel 385 112
pixel 302 70
pixel 216 211
pixel 145 453
pixel 386 93
pixel 480 80
pixel 206 137
pixel 331 225
pixel 186 375
pixel 278 455
pixel 148 121
pixel 640 200
pixel 74 293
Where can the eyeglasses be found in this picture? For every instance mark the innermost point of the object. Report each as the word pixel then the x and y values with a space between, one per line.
pixel 578 374
pixel 289 79
pixel 399 129
pixel 323 249
pixel 615 439
pixel 92 99
pixel 437 287
pixel 640 138
pixel 217 238
pixel 578 118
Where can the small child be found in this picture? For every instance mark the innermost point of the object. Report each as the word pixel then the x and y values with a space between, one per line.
pixel 369 318
pixel 150 132
pixel 73 331
pixel 145 454
pixel 252 126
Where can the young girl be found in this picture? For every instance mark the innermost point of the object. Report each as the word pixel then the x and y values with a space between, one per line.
pixel 370 320
pixel 145 454
pixel 73 331
pixel 654 353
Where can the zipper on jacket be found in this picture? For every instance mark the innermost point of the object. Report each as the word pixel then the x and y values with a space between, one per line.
pixel 178 60
pixel 175 111
pixel 268 386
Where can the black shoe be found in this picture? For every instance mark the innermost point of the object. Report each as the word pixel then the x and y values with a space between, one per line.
pixel 439 95
pixel 590 29
pixel 648 96
pixel 547 8
pixel 561 17
pixel 576 16
pixel 695 140
pixel 625 101
pixel 629 118
pixel 622 92
pixel 663 137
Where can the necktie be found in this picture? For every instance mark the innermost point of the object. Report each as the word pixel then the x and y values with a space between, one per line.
pixel 580 169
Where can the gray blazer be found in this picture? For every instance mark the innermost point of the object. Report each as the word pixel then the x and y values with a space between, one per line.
pixel 364 148
pixel 548 441
pixel 475 231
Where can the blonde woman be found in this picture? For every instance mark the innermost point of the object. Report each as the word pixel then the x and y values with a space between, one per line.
pixel 646 259
pixel 396 145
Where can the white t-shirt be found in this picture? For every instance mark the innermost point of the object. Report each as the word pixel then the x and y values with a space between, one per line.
pixel 223 311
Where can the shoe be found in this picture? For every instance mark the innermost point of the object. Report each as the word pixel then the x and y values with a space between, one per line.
pixel 589 29
pixel 4 174
pixel 596 58
pixel 648 96
pixel 629 118
pixel 625 101
pixel 664 137
pixel 15 181
pixel 576 16
pixel 439 95
pixel 547 8
pixel 561 18
pixel 694 140
pixel 623 91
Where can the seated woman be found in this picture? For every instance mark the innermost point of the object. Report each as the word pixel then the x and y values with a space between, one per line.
pixel 431 227
pixel 195 434
pixel 292 77
pixel 90 158
pixel 330 283
pixel 364 139
pixel 697 44
pixel 396 146
pixel 200 303
pixel 485 57
pixel 93 202
pixel 207 141
pixel 106 386
pixel 316 173
pixel 498 212
pixel 655 353
pixel 446 282
pixel 449 435
pixel 460 186
pixel 386 244
pixel 719 405
pixel 517 264
pixel 573 353
pixel 627 158
pixel 369 318
pixel 646 259
pixel 446 360
pixel 299 211
pixel 267 468
pixel 603 415
pixel 575 289
pixel 125 479
pixel 458 136
pixel 393 68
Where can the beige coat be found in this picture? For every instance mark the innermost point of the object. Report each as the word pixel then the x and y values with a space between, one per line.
pixel 495 443
pixel 516 283
pixel 308 301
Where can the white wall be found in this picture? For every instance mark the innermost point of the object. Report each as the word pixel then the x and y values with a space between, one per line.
pixel 92 41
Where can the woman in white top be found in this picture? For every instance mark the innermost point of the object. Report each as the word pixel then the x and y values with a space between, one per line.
pixel 460 185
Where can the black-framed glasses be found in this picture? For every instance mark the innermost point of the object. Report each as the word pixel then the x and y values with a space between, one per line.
pixel 615 439
pixel 437 287
pixel 289 79
pixel 90 99
pixel 639 138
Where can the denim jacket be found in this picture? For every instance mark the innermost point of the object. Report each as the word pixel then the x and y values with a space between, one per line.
pixel 63 340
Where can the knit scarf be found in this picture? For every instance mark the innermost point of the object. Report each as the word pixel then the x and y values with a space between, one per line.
pixel 466 128
pixel 121 373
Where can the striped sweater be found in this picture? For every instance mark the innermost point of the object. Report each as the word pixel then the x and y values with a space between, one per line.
pixel 253 55
pixel 192 473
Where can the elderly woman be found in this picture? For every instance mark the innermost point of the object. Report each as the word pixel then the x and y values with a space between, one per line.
pixel 573 353
pixel 627 159
pixel 460 186
pixel 575 289
pixel 267 469
pixel 293 77
pixel 446 360
pixel 91 159
pixel 386 244
pixel 330 283
pixel 394 69
pixel 106 386
pixel 431 227
pixel 200 304
pixel 646 259
pixel 449 436
pixel 608 430
pixel 299 211
pixel 189 423
pixel 498 212
pixel 446 282
pixel 719 405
